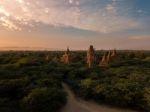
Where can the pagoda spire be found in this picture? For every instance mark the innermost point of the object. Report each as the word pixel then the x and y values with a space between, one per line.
pixel 90 56
pixel 114 53
pixel 109 57
pixel 103 61
pixel 66 58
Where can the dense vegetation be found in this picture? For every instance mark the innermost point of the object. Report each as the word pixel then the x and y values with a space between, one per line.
pixel 29 82
pixel 125 82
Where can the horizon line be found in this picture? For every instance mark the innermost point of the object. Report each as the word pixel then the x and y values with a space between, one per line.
pixel 14 48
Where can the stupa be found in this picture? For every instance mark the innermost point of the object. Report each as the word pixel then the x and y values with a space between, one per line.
pixel 90 56
pixel 109 57
pixel 114 53
pixel 103 61
pixel 48 58
pixel 66 58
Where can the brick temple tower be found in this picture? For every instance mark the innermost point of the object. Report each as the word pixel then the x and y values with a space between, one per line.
pixel 48 58
pixel 103 61
pixel 90 56
pixel 114 53
pixel 109 57
pixel 66 58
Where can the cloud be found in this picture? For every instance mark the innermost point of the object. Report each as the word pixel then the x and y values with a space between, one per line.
pixel 20 1
pixel 110 7
pixel 140 37
pixel 64 13
pixel 139 11
pixel 75 2
pixel 3 11
pixel 9 24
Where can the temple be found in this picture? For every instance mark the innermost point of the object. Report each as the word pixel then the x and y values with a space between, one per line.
pixel 90 56
pixel 103 62
pixel 66 58
pixel 48 58
pixel 114 53
pixel 110 57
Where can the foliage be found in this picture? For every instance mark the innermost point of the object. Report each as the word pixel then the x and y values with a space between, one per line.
pixel 44 100
pixel 30 83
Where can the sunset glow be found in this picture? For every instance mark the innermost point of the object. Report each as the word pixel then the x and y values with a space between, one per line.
pixel 55 24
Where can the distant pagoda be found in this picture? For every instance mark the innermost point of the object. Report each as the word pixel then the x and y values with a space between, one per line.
pixel 48 58
pixel 114 53
pixel 103 61
pixel 110 57
pixel 90 56
pixel 66 58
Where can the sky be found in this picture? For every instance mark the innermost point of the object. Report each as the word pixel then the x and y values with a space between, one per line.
pixel 56 24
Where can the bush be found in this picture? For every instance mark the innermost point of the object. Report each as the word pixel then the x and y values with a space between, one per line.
pixel 147 99
pixel 44 100
pixel 13 88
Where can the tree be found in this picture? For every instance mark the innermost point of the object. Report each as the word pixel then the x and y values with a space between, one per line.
pixel 44 100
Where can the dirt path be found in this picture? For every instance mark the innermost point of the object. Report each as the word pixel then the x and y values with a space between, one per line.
pixel 78 105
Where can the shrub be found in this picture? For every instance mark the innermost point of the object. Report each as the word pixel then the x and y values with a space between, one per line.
pixel 44 100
